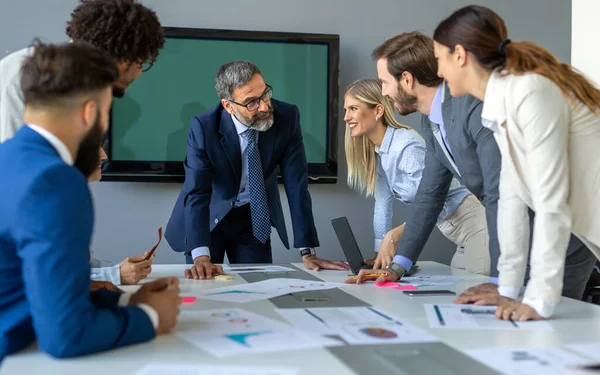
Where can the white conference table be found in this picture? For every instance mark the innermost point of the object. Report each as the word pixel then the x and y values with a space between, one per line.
pixel 573 322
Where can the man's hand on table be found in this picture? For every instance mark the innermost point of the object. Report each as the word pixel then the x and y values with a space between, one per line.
pixel 203 269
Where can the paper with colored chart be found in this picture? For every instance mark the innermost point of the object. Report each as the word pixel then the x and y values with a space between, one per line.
pixel 475 317
pixel 356 325
pixel 264 290
pixel 528 361
pixel 250 269
pixel 176 369
pixel 232 332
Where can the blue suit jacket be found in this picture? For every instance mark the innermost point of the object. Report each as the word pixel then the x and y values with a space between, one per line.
pixel 46 221
pixel 213 168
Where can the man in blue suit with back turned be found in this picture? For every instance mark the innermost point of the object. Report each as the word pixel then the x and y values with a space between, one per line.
pixel 230 198
pixel 46 217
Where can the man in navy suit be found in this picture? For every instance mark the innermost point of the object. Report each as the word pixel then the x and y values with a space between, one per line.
pixel 230 198
pixel 47 217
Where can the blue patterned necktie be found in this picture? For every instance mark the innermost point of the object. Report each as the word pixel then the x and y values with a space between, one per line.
pixel 259 208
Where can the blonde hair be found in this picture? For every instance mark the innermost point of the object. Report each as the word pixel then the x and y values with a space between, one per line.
pixel 360 151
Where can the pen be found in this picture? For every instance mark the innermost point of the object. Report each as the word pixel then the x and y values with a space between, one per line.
pixel 369 274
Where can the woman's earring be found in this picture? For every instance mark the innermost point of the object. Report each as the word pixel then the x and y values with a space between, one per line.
pixel 376 118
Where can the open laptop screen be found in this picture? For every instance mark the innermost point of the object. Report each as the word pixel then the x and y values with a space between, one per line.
pixel 348 242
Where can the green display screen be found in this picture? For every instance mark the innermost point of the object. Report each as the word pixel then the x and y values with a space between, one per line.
pixel 150 123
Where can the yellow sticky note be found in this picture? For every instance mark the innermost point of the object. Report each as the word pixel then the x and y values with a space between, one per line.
pixel 223 277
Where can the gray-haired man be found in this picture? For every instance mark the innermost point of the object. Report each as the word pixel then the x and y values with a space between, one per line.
pixel 230 198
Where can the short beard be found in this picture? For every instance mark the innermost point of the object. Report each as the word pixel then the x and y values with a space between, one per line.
pixel 404 102
pixel 256 123
pixel 118 92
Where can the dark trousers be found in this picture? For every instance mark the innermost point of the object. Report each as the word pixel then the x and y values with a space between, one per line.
pixel 233 236
pixel 579 265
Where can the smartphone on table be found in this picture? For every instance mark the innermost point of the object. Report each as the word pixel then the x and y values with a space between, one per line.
pixel 416 293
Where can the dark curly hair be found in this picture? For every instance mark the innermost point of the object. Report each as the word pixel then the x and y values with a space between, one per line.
pixel 58 71
pixel 125 29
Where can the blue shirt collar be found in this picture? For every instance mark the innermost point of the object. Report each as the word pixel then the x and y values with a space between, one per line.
pixel 387 141
pixel 435 113
pixel 239 127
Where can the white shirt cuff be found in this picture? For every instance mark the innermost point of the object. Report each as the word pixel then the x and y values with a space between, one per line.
pixel 124 299
pixel 200 251
pixel 509 291
pixel 543 308
pixel 111 274
pixel 378 244
pixel 152 314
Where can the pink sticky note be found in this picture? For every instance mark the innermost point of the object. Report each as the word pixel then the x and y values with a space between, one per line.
pixel 387 284
pixel 188 300
pixel 406 287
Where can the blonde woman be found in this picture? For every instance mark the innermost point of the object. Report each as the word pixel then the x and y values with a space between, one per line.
pixel 386 160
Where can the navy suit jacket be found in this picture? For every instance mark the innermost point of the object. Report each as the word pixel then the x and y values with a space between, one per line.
pixel 46 221
pixel 213 167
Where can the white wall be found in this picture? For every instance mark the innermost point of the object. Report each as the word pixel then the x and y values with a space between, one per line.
pixel 127 214
pixel 585 30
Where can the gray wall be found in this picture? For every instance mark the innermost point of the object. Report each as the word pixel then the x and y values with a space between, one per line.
pixel 128 214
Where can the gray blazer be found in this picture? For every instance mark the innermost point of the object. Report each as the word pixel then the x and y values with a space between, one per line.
pixel 476 164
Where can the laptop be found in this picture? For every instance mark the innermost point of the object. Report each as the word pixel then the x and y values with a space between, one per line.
pixel 355 259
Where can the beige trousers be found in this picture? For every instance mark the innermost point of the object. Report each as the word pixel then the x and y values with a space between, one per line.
pixel 467 228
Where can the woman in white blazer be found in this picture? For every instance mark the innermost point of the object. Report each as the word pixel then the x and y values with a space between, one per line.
pixel 546 120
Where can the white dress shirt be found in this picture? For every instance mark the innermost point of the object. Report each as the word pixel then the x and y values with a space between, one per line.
pixel 104 271
pixel 11 95
pixel 66 156
pixel 549 164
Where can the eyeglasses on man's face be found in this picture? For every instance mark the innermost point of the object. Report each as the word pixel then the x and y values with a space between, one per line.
pixel 253 104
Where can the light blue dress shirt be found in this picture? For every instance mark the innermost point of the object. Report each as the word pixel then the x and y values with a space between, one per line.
pixel 400 164
pixel 435 115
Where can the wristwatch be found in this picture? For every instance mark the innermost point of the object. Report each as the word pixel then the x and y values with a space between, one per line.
pixel 397 268
pixel 307 251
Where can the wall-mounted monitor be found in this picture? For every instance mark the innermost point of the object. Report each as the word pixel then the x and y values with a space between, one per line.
pixel 147 138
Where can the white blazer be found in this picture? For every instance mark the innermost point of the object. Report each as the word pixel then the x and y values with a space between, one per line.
pixel 550 146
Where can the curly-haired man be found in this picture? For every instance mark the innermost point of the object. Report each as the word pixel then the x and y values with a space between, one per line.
pixel 127 30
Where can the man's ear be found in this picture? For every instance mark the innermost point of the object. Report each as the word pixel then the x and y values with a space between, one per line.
pixel 89 114
pixel 407 80
pixel 228 106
